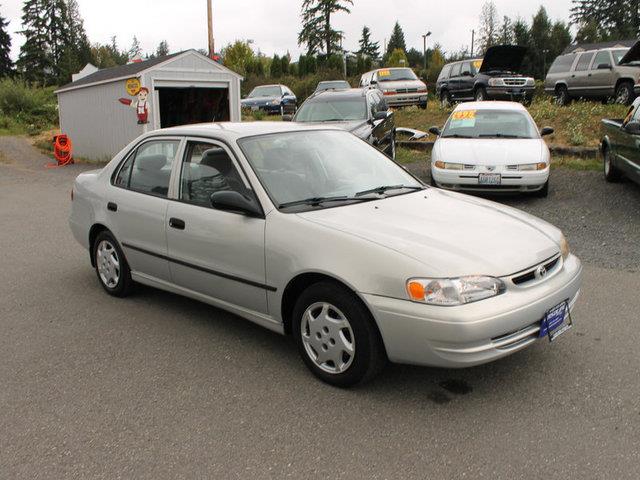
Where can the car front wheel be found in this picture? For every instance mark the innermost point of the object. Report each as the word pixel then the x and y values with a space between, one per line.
pixel 111 267
pixel 624 93
pixel 336 335
pixel 611 173
pixel 481 94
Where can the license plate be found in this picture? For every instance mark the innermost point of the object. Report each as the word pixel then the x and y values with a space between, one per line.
pixel 517 91
pixel 254 108
pixel 489 179
pixel 556 322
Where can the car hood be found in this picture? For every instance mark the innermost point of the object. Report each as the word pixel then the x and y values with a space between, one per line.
pixel 633 55
pixel 503 58
pixel 489 151
pixel 394 85
pixel 449 233
pixel 258 100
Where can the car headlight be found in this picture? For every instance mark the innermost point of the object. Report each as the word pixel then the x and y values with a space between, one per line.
pixel 275 102
pixel 449 292
pixel 564 247
pixel 530 82
pixel 525 167
pixel 496 82
pixel 449 166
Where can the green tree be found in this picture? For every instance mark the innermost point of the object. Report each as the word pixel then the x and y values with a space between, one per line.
pixel 436 62
pixel 489 27
pixel 396 41
pixel 276 67
pixel 614 19
pixel 588 32
pixel 415 58
pixel 397 59
pixel 368 48
pixel 77 52
pixel 35 61
pixel 6 64
pixel 505 33
pixel 285 63
pixel 539 42
pixel 135 49
pixel 302 66
pixel 163 49
pixel 317 33
pixel 238 56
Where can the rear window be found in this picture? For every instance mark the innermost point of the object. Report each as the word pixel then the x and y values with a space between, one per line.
pixel 562 63
pixel 455 69
pixel 584 61
pixel 444 74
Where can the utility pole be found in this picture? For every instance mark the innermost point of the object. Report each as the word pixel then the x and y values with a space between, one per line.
pixel 424 48
pixel 473 37
pixel 212 46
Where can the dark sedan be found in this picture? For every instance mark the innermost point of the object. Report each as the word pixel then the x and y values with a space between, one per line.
pixel 271 99
pixel 363 112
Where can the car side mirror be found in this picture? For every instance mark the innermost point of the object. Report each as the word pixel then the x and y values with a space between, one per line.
pixel 436 131
pixel 546 131
pixel 380 115
pixel 287 117
pixel 633 128
pixel 231 201
pixel 604 66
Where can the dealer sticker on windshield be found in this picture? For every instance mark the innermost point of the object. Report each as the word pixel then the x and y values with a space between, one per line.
pixel 556 321
pixel 384 73
pixel 463 118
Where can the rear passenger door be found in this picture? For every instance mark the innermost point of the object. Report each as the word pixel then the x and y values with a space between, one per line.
pixel 579 81
pixel 213 252
pixel 137 202
pixel 466 80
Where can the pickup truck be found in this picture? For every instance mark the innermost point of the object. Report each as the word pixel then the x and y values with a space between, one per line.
pixel 620 147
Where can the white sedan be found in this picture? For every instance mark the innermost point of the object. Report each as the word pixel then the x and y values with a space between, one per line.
pixel 491 147
pixel 312 232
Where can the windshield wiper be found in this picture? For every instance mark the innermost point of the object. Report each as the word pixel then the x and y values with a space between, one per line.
pixel 385 188
pixel 500 135
pixel 456 135
pixel 314 201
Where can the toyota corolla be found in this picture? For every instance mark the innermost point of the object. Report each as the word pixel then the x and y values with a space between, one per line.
pixel 312 232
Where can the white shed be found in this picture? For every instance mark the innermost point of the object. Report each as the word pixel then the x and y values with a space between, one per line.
pixel 105 110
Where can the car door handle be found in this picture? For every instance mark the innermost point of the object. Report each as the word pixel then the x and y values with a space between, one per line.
pixel 112 207
pixel 176 223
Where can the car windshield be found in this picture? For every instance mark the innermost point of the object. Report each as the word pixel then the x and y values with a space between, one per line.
pixel 396 74
pixel 320 167
pixel 335 85
pixel 618 54
pixel 489 124
pixel 332 111
pixel 265 92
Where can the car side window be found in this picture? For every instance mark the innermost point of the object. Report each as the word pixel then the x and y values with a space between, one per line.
pixel 455 69
pixel 148 169
pixel 584 61
pixel 208 168
pixel 444 74
pixel 602 58
pixel 466 68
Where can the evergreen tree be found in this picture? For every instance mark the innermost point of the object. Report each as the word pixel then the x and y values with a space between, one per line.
pixel 284 62
pixel 135 50
pixel 77 51
pixel 6 64
pixel 163 49
pixel 539 42
pixel 488 26
pixel 396 41
pixel 415 58
pixel 35 61
pixel 276 67
pixel 613 19
pixel 316 32
pixel 505 34
pixel 302 66
pixel 367 47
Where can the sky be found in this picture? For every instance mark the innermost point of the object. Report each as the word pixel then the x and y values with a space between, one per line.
pixel 273 25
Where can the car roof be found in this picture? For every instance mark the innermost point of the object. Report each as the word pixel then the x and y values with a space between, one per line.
pixel 236 130
pixel 339 94
pixel 491 105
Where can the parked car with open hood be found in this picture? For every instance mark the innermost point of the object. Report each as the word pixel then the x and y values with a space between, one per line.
pixel 363 112
pixel 271 99
pixel 309 231
pixel 598 74
pixel 400 86
pixel 491 147
pixel 495 77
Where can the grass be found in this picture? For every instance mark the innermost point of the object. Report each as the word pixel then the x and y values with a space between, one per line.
pixel 576 125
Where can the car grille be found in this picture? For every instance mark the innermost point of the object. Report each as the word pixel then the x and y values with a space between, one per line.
pixel 533 273
pixel 407 90
pixel 515 82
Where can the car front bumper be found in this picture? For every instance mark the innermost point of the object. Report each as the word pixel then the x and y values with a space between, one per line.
pixel 406 99
pixel 510 93
pixel 476 333
pixel 511 181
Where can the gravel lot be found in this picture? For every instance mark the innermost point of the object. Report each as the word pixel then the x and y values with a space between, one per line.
pixel 158 386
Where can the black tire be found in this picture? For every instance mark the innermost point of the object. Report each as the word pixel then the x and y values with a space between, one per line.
pixel 544 191
pixel 369 354
pixel 423 106
pixel 611 173
pixel 624 93
pixel 562 96
pixel 124 285
pixel 481 94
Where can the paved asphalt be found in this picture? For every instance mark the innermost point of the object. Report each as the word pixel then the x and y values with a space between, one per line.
pixel 158 386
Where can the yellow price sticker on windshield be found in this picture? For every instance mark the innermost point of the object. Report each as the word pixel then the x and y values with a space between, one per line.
pixel 464 115
pixel 477 64
pixel 384 73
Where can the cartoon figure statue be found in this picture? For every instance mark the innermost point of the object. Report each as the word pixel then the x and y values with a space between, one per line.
pixel 142 110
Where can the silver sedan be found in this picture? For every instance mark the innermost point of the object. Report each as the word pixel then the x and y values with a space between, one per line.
pixel 312 232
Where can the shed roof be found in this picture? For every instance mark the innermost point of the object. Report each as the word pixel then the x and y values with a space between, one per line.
pixel 581 47
pixel 130 70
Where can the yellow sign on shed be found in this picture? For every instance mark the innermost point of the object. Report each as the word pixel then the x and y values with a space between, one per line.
pixel 133 86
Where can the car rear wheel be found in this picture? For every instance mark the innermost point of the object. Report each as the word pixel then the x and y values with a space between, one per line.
pixel 336 335
pixel 624 93
pixel 562 96
pixel 111 266
pixel 611 173
pixel 481 94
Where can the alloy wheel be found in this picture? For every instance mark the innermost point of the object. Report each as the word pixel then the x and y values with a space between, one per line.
pixel 327 337
pixel 108 264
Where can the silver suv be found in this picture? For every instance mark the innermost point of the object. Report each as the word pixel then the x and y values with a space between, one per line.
pixel 596 74
pixel 400 86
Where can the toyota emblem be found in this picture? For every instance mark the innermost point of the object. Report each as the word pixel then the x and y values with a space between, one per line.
pixel 542 271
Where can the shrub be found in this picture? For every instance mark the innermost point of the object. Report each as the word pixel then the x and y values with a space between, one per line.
pixel 29 105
